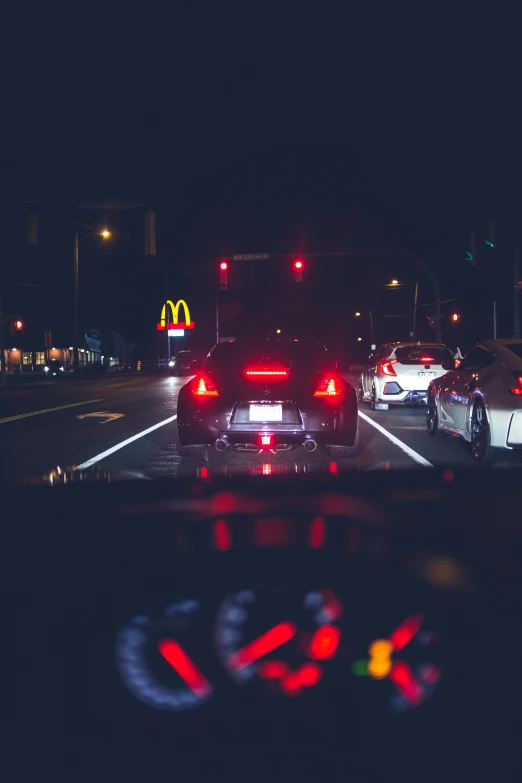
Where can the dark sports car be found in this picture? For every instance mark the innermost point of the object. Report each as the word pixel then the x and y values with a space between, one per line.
pixel 271 396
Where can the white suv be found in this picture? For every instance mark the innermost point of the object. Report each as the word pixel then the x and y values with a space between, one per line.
pixel 399 373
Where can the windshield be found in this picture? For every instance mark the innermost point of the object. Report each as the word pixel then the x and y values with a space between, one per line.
pixel 515 348
pixel 164 230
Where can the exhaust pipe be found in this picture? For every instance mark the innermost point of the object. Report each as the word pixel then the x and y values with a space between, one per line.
pixel 310 445
pixel 221 444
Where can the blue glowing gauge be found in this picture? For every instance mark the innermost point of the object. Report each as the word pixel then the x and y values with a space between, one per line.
pixel 156 657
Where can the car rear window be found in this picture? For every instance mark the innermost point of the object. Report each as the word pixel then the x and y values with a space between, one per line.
pixel 515 348
pixel 422 354
pixel 293 354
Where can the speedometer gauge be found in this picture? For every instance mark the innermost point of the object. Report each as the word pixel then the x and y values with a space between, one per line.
pixel 156 657
pixel 278 636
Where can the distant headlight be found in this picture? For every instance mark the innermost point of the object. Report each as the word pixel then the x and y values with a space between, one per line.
pixel 61 369
pixel 46 369
pixel 171 363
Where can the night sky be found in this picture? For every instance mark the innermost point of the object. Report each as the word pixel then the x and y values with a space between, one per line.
pixel 259 130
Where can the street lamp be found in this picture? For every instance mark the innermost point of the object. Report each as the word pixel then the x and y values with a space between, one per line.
pixel 104 234
pixel 278 331
pixel 395 283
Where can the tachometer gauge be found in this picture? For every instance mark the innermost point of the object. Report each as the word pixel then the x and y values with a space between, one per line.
pixel 407 660
pixel 278 636
pixel 157 657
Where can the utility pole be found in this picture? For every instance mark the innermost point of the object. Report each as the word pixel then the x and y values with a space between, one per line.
pixel 166 292
pixel 76 335
pixel 516 279
pixel 414 327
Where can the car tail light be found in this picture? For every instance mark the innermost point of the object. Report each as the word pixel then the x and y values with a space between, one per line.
pixel 263 373
pixel 387 367
pixel 517 389
pixel 266 440
pixel 329 387
pixel 427 360
pixel 205 388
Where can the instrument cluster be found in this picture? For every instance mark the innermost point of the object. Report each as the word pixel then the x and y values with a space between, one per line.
pixel 276 640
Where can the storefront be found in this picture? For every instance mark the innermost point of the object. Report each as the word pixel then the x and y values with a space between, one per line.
pixel 92 353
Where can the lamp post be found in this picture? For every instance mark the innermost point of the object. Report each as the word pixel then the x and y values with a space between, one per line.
pixel 396 284
pixel 104 234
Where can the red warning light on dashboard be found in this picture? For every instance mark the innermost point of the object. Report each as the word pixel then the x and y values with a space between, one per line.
pixel 324 643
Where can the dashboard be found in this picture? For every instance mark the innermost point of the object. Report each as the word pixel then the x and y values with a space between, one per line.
pixel 356 618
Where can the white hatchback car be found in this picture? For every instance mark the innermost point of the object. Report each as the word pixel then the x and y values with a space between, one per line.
pixel 481 399
pixel 399 373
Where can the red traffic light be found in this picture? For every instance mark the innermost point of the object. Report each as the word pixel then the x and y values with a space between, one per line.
pixel 18 326
pixel 223 275
pixel 455 318
pixel 298 270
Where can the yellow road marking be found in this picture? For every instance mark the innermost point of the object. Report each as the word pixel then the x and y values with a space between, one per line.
pixel 48 410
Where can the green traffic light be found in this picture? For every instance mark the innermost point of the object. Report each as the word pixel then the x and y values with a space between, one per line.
pixel 490 244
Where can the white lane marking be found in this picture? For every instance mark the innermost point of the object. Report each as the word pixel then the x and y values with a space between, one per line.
pixel 119 446
pixel 410 452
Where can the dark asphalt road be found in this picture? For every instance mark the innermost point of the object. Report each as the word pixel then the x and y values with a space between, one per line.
pixel 54 425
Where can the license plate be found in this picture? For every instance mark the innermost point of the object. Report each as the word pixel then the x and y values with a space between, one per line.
pixel 427 375
pixel 266 413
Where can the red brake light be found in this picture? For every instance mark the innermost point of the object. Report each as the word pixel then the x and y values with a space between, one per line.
pixel 329 387
pixel 387 367
pixel 224 266
pixel 266 440
pixel 518 389
pixel 427 359
pixel 205 388
pixel 255 373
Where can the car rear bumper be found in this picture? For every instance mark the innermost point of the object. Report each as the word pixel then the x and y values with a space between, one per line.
pixel 320 422
pixel 412 398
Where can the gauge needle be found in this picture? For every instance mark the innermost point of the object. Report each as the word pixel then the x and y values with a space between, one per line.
pixel 406 631
pixel 187 669
pixel 404 680
pixel 263 645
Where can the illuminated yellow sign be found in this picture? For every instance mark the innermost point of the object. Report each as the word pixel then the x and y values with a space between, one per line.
pixel 174 309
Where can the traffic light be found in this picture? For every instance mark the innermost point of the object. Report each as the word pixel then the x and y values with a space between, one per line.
pixel 298 270
pixel 491 240
pixel 471 253
pixel 223 275
pixel 455 318
pixel 17 327
pixel 32 228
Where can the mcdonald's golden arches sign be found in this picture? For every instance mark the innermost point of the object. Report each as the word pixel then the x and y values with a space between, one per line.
pixel 174 312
